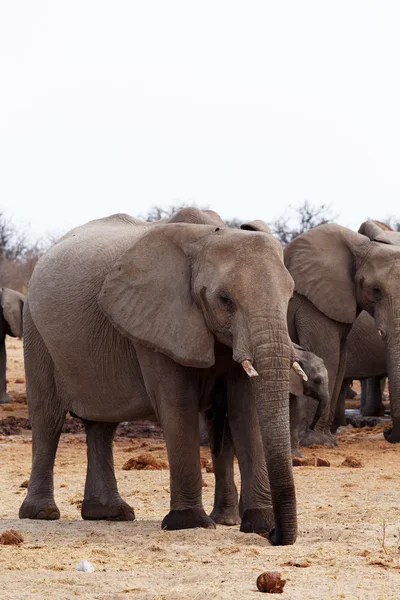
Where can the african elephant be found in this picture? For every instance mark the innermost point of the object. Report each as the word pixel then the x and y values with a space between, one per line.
pixel 338 273
pixel 12 304
pixel 125 319
pixel 223 446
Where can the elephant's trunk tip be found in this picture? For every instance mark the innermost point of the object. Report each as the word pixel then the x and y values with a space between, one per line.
pixel 248 367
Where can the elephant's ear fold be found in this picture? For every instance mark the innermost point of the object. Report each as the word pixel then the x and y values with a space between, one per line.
pixel 322 262
pixel 379 232
pixel 12 303
pixel 256 225
pixel 147 297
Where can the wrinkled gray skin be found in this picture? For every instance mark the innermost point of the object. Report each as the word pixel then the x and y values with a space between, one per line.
pixel 366 361
pixel 126 319
pixel 226 506
pixel 337 273
pixel 12 304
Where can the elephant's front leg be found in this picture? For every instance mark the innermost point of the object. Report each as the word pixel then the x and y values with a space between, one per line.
pixel 174 391
pixel 327 338
pixel 255 497
pixel 102 499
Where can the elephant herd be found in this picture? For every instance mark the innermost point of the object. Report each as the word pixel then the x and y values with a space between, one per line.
pixel 128 320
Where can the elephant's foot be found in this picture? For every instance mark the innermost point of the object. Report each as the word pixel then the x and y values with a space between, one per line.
pixel 118 510
pixel 39 509
pixel 257 520
pixel 373 411
pixel 296 452
pixel 190 518
pixel 226 515
pixel 5 398
pixel 318 437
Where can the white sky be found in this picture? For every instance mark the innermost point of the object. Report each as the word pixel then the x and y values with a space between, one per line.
pixel 245 107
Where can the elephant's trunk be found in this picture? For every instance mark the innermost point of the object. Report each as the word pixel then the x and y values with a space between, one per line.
pixel 271 393
pixel 323 401
pixel 393 361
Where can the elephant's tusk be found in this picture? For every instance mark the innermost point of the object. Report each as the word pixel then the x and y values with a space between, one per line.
pixel 248 367
pixel 299 371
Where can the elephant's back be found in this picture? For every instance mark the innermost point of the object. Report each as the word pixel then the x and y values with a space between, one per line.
pixel 67 279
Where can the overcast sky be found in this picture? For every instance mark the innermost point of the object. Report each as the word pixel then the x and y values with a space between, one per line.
pixel 246 107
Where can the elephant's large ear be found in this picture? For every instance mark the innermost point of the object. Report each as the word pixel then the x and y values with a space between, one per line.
pixel 379 232
pixel 256 225
pixel 12 303
pixel 147 296
pixel 322 262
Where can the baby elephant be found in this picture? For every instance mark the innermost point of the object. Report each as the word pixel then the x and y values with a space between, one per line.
pixel 12 304
pixel 226 506
pixel 316 387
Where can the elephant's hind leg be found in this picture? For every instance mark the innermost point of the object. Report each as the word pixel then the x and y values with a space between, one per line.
pixel 47 417
pixel 102 500
pixel 226 505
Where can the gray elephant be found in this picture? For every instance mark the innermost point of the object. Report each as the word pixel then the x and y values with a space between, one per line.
pixel 217 418
pixel 126 319
pixel 338 273
pixel 12 304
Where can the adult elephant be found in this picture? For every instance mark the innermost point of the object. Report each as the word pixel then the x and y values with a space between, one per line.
pixel 12 304
pixel 125 319
pixel 338 273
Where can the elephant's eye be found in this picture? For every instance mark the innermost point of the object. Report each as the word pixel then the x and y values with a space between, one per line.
pixel 377 293
pixel 317 381
pixel 226 301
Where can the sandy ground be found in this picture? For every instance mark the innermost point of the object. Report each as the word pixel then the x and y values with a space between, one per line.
pixel 349 523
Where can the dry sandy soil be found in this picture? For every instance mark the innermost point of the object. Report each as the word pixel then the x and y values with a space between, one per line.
pixel 349 522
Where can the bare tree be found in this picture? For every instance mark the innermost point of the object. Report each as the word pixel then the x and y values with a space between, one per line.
pixel 18 254
pixel 392 222
pixel 300 219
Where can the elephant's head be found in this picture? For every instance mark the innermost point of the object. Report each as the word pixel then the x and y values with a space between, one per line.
pixel 12 304
pixel 316 385
pixel 181 287
pixel 386 309
pixel 342 272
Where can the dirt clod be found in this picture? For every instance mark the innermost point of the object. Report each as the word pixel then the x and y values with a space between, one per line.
pixel 301 564
pixel 145 462
pixel 271 582
pixel 322 462
pixel 24 484
pixel 351 461
pixel 209 467
pixel 11 537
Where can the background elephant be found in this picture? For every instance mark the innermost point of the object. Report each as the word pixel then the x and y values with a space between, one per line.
pixel 337 273
pixel 110 293
pixel 12 304
pixel 365 360
pixel 223 445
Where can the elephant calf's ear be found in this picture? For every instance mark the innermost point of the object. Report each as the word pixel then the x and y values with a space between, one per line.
pixel 147 297
pixel 12 303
